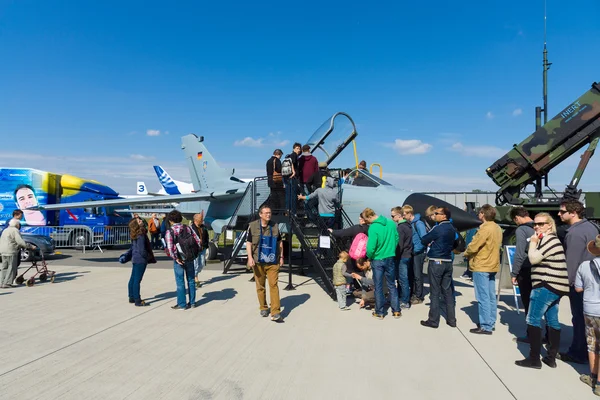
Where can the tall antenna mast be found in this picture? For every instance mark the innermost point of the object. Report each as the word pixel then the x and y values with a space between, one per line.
pixel 546 67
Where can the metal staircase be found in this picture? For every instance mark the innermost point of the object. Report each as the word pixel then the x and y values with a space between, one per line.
pixel 306 225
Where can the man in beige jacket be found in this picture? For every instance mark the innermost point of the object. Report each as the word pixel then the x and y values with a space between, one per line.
pixel 484 260
pixel 11 243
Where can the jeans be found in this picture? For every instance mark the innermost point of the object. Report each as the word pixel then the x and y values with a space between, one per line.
pixel 401 266
pixel 187 269
pixel 578 348
pixel 544 303
pixel 291 198
pixel 155 240
pixel 137 273
pixel 340 291
pixel 440 279
pixel 417 265
pixel 468 272
pixel 200 262
pixel 277 199
pixel 381 268
pixel 485 294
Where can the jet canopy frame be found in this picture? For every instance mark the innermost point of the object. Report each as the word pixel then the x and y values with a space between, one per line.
pixel 332 137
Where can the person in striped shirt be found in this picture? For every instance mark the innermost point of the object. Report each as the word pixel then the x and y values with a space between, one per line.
pixel 550 281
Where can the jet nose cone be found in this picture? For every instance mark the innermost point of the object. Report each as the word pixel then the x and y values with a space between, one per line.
pixel 461 220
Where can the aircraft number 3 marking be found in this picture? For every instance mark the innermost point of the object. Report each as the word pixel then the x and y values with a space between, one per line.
pixel 141 188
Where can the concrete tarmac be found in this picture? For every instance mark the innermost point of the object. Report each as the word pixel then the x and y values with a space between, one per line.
pixel 79 338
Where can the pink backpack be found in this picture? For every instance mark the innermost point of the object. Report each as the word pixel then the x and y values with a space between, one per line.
pixel 358 249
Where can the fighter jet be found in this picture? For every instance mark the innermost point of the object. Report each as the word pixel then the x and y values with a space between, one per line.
pixel 217 191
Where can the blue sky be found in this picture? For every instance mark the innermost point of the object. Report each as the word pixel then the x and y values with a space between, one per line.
pixel 439 90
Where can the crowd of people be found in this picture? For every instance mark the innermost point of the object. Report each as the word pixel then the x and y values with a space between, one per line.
pixel 546 267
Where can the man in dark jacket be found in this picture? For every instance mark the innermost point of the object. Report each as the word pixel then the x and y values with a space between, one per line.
pixel 579 234
pixel 275 181
pixel 419 229
pixel 440 240
pixel 521 266
pixel 403 254
pixel 308 165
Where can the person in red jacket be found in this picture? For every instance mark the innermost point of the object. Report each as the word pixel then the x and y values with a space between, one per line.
pixel 308 165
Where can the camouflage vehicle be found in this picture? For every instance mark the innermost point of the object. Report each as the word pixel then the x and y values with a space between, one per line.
pixel 529 162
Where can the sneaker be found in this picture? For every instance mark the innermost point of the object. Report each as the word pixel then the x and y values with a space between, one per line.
pixel 131 300
pixel 404 306
pixel 141 303
pixel 345 308
pixel 375 315
pixel 397 314
pixel 188 306
pixel 597 390
pixel 479 331
pixel 276 318
pixel 416 300
pixel 587 379
pixel 176 307
pixel 264 313
pixel 198 284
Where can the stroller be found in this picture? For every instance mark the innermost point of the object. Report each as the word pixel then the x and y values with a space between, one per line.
pixel 41 270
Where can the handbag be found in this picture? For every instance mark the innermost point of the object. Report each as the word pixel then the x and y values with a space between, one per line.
pixel 277 178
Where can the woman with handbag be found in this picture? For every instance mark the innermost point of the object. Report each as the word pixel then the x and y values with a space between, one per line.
pixel 141 256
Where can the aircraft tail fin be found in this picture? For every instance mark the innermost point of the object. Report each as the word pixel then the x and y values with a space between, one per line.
pixel 141 189
pixel 204 170
pixel 166 181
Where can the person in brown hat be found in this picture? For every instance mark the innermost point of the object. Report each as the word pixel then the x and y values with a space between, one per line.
pixel 587 281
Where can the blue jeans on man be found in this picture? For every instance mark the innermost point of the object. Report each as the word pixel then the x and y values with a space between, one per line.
pixel 137 273
pixel 188 269
pixel 401 266
pixel 417 265
pixel 485 294
pixel 544 303
pixel 200 262
pixel 440 283
pixel 385 268
pixel 291 197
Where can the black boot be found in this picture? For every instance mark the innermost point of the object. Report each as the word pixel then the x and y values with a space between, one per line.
pixel 535 338
pixel 553 345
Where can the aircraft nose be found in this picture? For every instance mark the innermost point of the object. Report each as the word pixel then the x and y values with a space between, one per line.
pixel 461 220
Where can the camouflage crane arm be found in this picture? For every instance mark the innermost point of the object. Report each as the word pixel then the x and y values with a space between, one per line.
pixel 551 144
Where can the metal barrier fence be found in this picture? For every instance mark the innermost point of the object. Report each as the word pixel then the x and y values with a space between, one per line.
pixel 82 237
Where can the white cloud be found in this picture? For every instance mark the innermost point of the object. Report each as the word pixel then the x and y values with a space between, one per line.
pixel 153 132
pixel 139 157
pixel 517 112
pixel 477 151
pixel 490 115
pixel 273 139
pixel 249 142
pixel 411 146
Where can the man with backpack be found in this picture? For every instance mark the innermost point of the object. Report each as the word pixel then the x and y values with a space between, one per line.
pixel 265 257
pixel 183 246
pixel 484 260
pixel 419 229
pixel 290 171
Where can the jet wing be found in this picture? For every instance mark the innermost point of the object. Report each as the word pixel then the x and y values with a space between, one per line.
pixel 180 198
